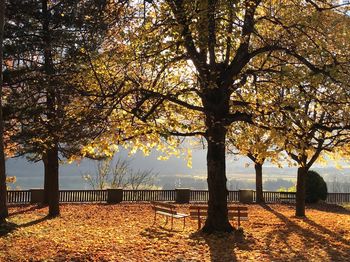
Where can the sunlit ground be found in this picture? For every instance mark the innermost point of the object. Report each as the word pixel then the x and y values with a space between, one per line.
pixel 124 232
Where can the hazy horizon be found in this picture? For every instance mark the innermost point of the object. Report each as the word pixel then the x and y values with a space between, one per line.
pixel 171 173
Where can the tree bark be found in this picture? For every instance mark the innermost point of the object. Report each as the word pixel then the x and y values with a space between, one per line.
pixel 259 183
pixel 53 186
pixel 46 180
pixel 217 219
pixel 52 165
pixel 300 194
pixel 3 191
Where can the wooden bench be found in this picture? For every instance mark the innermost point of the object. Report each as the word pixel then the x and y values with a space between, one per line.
pixel 234 212
pixel 167 210
pixel 286 197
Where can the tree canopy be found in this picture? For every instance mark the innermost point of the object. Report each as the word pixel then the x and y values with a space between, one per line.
pixel 187 68
pixel 169 69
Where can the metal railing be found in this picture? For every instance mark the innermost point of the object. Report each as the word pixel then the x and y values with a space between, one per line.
pixel 18 196
pixel 338 198
pixel 148 195
pixel 274 197
pixel 199 196
pixel 81 196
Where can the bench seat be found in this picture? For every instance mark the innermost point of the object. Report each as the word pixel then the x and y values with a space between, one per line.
pixel 167 210
pixel 234 212
pixel 177 215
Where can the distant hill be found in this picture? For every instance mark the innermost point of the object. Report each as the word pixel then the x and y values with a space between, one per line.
pixel 171 173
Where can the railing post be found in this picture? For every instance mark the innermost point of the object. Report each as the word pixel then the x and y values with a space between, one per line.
pixel 246 196
pixel 182 195
pixel 36 196
pixel 114 195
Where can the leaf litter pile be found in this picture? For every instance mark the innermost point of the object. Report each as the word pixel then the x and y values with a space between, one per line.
pixel 124 232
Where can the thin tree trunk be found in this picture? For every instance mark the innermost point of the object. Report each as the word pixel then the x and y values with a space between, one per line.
pixel 53 187
pixel 46 180
pixel 217 219
pixel 300 194
pixel 259 183
pixel 3 192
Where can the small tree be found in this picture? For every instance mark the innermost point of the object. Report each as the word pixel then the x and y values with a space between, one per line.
pixel 141 179
pixel 119 175
pixel 100 179
pixel 258 145
pixel 316 187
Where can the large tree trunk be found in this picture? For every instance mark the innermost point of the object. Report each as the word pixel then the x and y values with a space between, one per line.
pixel 217 219
pixel 52 165
pixel 3 193
pixel 53 188
pixel 300 194
pixel 259 183
pixel 46 180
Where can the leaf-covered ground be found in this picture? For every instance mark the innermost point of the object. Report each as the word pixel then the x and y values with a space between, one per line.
pixel 124 232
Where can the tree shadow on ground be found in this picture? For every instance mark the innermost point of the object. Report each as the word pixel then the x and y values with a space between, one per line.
pixel 309 237
pixel 328 232
pixel 331 208
pixel 8 227
pixel 22 211
pixel 157 233
pixel 222 246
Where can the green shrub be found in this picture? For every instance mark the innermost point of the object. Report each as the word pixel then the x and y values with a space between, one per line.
pixel 316 187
